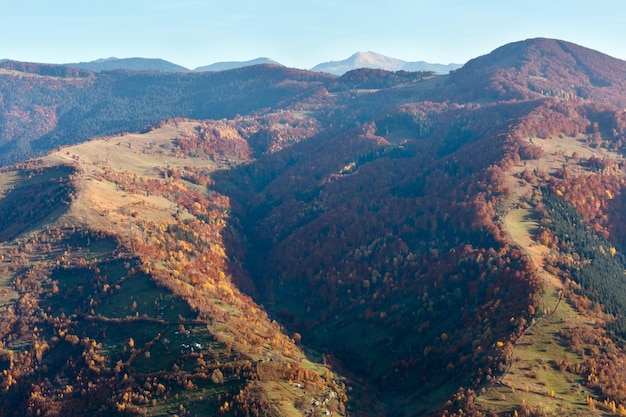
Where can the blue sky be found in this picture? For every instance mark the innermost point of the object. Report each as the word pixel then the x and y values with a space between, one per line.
pixel 296 33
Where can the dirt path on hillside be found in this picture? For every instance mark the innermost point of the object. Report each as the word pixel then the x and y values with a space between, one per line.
pixel 520 222
pixel 521 225
pixel 530 378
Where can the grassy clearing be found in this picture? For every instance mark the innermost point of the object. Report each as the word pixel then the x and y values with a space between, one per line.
pixel 138 296
pixel 203 401
pixel 522 225
pixel 558 152
pixel 282 394
pixel 105 206
pixel 7 294
pixel 8 180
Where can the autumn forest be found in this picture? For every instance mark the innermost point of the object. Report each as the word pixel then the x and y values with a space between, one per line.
pixel 268 241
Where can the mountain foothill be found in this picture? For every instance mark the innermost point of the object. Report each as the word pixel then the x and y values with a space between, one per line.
pixel 269 241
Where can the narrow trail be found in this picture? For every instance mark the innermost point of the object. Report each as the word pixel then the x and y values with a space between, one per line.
pixel 520 224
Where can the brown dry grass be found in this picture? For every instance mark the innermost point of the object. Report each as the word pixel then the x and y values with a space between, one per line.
pixel 558 153
pixel 16 73
pixel 520 225
pixel 100 203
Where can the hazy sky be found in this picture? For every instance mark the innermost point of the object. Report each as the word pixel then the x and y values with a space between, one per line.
pixel 296 33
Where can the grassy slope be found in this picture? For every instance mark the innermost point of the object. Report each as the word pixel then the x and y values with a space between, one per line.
pixel 534 377
pixel 534 371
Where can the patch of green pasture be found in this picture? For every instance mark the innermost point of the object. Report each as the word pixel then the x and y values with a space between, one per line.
pixel 90 247
pixel 7 294
pixel 205 400
pixel 175 347
pixel 115 338
pixel 9 179
pixel 284 396
pixel 138 295
pixel 535 376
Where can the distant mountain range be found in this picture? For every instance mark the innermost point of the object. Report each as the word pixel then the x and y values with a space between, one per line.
pixel 356 61
pixel 378 61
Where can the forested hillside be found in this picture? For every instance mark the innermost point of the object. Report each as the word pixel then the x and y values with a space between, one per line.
pixel 44 107
pixel 269 241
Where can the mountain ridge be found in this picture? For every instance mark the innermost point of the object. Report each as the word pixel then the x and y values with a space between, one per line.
pixel 541 66
pixel 356 61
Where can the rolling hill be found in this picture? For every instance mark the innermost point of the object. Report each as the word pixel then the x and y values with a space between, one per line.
pixel 228 65
pixel 269 241
pixel 544 67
